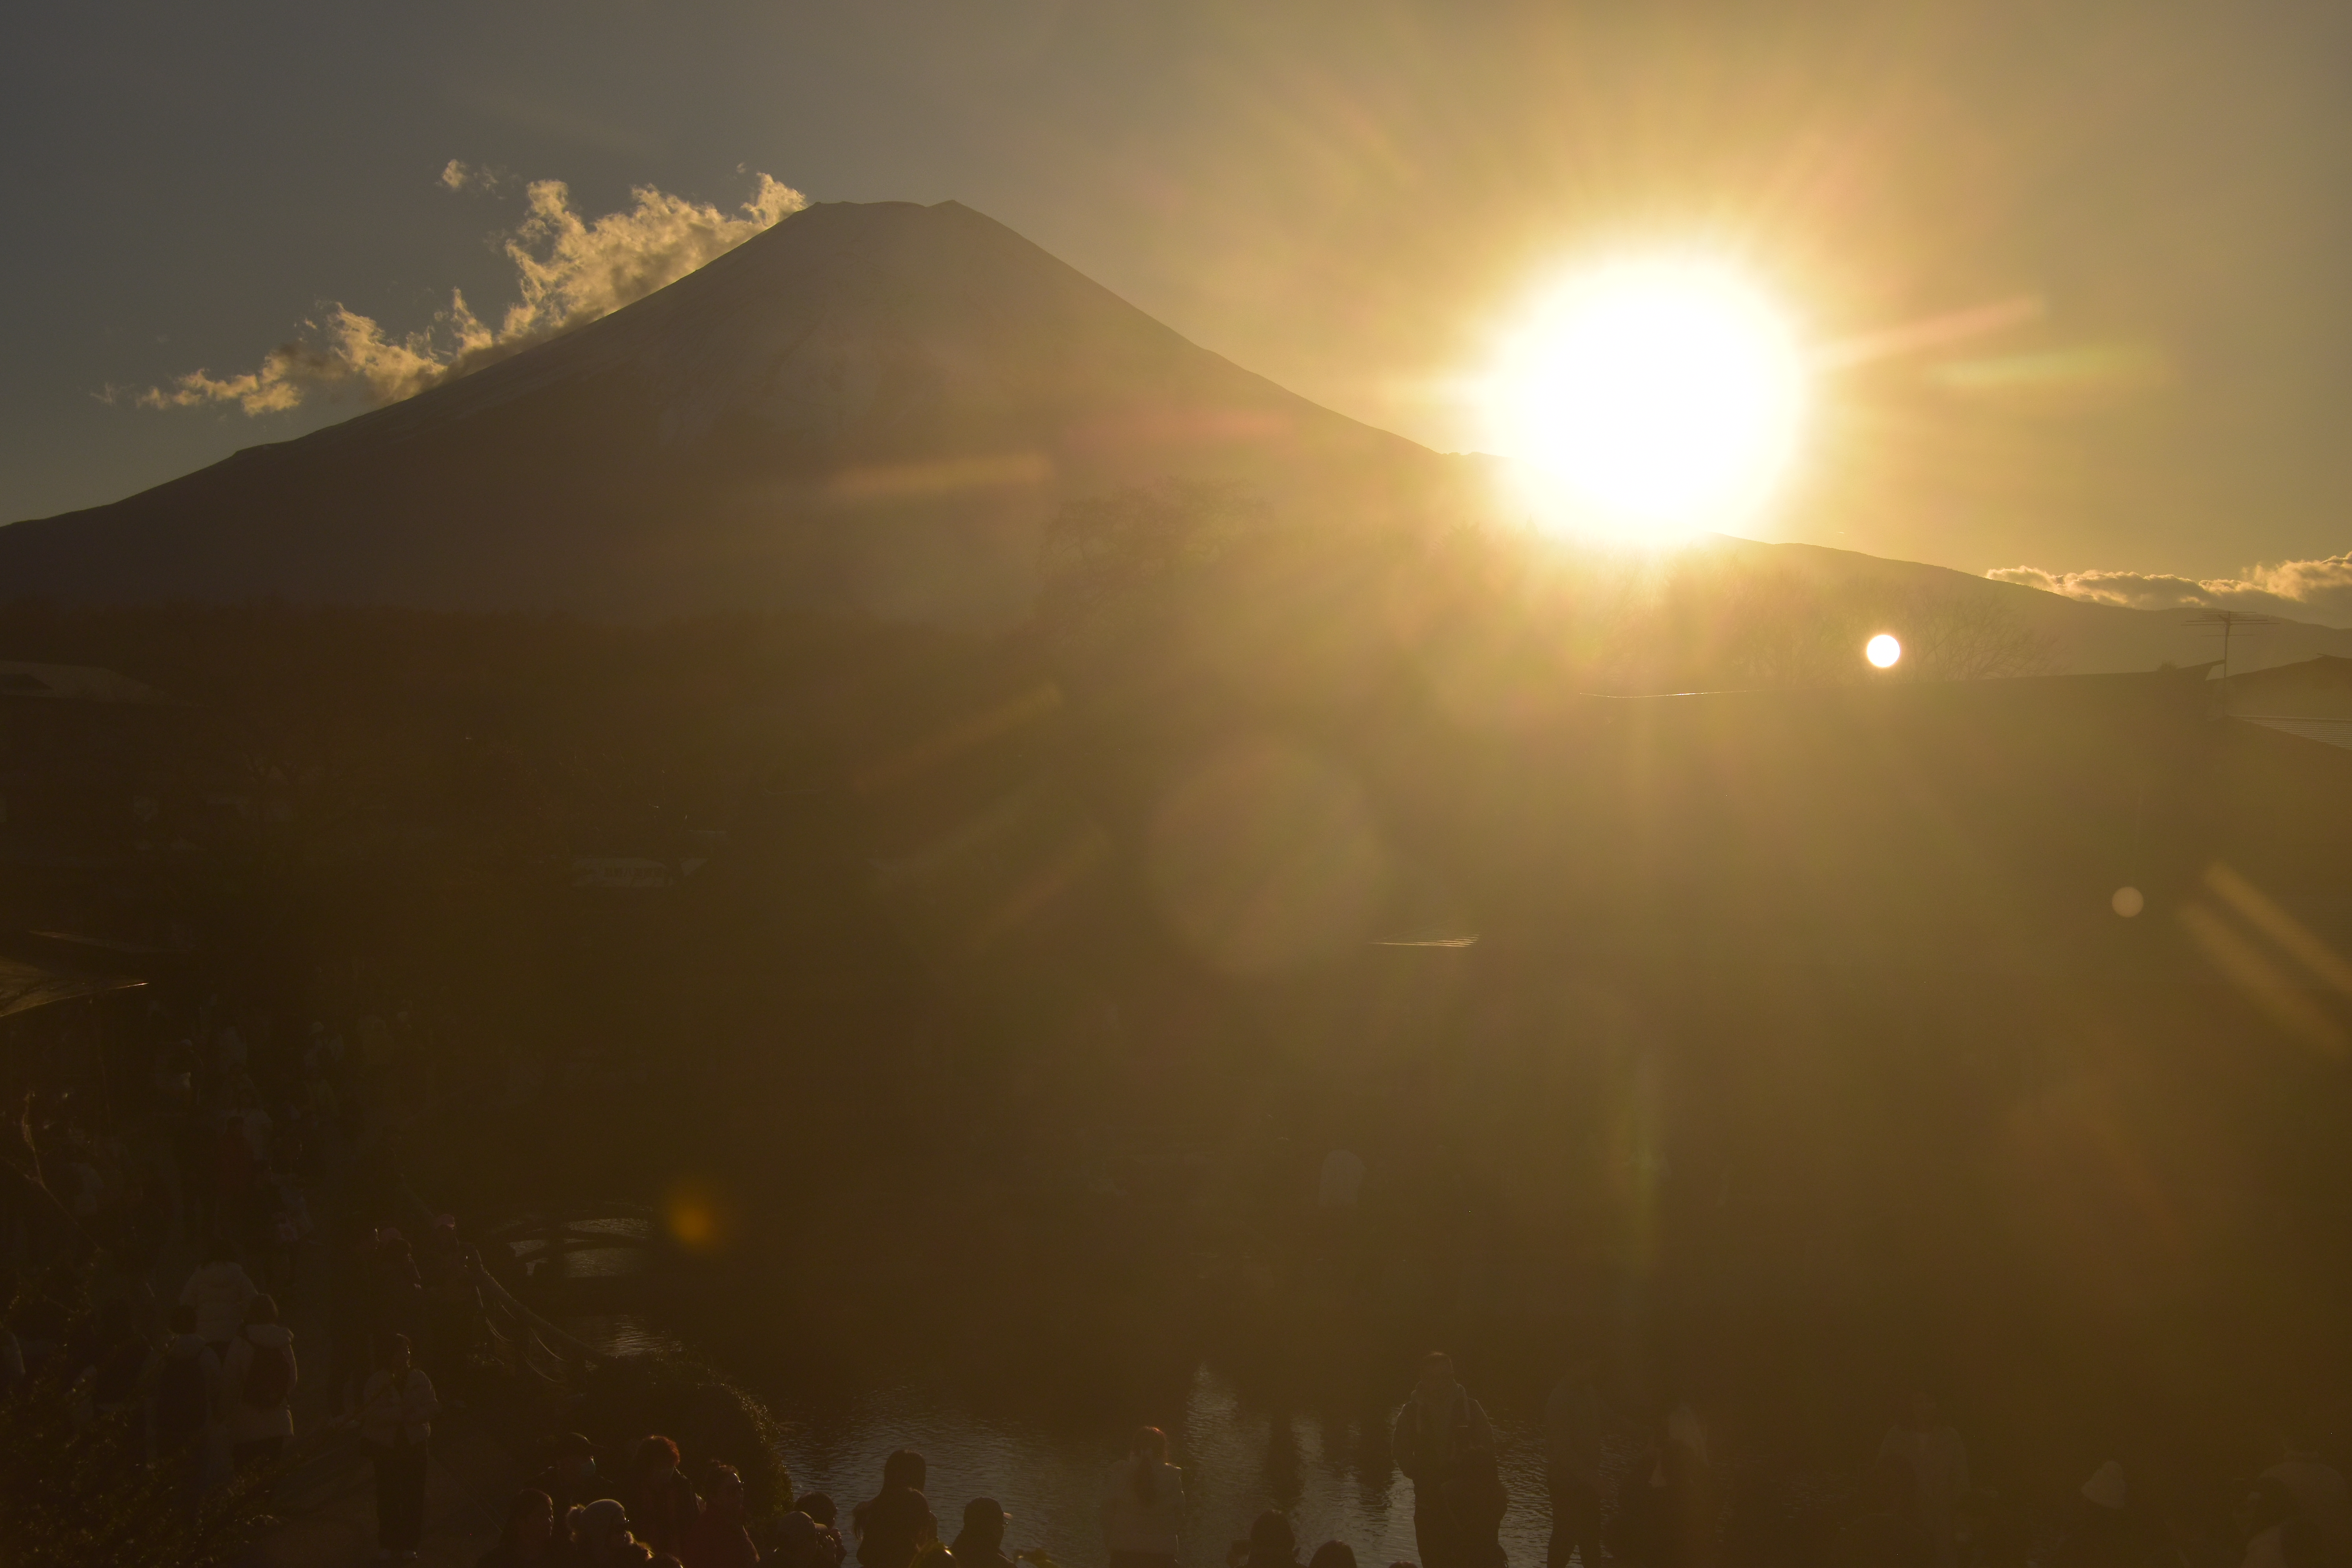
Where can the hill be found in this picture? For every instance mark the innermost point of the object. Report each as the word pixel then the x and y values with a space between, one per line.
pixel 2082 638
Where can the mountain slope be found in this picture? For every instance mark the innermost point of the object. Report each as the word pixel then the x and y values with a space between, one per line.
pixel 869 405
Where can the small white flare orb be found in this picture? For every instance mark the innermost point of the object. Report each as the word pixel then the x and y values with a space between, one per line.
pixel 1883 650
pixel 2128 901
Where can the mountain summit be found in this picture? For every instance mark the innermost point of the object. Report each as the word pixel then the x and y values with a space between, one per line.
pixel 869 407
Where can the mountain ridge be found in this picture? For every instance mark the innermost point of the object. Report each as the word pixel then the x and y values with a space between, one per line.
pixel 2087 638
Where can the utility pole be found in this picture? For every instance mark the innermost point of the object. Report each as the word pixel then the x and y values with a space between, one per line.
pixel 2229 621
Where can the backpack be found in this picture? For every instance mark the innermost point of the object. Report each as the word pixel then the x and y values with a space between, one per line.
pixel 180 1396
pixel 268 1376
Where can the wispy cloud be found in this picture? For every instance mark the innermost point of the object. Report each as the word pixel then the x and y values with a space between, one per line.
pixel 2319 590
pixel 569 270
pixel 460 175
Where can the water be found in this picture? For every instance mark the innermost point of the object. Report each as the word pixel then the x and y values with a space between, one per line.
pixel 1330 1473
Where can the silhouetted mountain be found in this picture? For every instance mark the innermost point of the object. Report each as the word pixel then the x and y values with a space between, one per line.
pixel 870 406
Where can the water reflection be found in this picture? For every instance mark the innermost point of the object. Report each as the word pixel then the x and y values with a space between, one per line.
pixel 622 1334
pixel 1329 1470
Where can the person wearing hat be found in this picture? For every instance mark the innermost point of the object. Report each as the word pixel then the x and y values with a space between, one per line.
pixel 981 1542
pixel 600 1535
pixel 2103 1535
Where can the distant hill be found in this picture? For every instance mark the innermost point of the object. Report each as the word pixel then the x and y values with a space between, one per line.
pixel 869 405
pixel 2086 638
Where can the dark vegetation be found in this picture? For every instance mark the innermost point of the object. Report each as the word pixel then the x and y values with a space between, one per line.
pixel 74 1486
pixel 1002 996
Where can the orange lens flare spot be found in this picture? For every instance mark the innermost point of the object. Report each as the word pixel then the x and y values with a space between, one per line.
pixel 697 1215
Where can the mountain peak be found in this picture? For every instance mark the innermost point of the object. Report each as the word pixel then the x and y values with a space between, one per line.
pixel 872 406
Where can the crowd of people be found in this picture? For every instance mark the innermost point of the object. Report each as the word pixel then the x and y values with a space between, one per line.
pixel 1659 1511
pixel 650 1511
pixel 220 1152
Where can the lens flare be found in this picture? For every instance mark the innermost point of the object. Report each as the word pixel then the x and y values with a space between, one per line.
pixel 1654 398
pixel 697 1214
pixel 1883 650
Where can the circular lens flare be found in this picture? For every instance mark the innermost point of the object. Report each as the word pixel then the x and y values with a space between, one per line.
pixel 1883 650
pixel 1654 398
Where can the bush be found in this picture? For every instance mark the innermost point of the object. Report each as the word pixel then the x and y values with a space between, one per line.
pixel 707 1416
pixel 73 1497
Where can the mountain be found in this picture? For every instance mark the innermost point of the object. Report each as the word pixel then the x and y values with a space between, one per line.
pixel 869 406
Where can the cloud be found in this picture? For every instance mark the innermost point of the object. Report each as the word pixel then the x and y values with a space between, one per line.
pixel 2318 590
pixel 570 270
pixel 461 175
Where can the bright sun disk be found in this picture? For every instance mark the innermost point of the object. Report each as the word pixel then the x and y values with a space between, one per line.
pixel 1653 397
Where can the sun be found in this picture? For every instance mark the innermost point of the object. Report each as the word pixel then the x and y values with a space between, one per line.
pixel 1652 396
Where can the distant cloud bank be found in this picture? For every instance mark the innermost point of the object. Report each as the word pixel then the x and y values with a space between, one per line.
pixel 2301 590
pixel 570 271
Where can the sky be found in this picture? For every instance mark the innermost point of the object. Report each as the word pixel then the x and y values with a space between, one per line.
pixel 2087 269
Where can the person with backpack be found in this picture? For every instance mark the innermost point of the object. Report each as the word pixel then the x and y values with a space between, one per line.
pixel 187 1393
pixel 1439 1431
pixel 257 1386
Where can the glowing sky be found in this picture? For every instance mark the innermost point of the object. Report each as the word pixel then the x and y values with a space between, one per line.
pixel 1341 195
